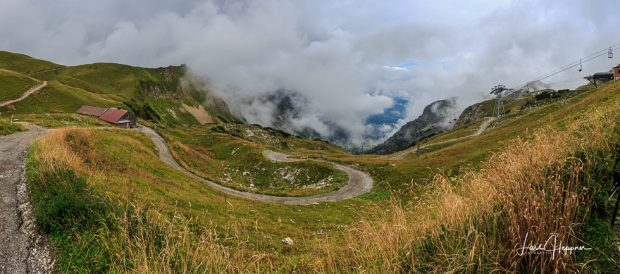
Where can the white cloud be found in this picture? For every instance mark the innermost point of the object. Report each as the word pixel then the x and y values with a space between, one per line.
pixel 333 53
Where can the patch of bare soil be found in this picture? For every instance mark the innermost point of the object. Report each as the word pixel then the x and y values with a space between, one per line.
pixel 201 115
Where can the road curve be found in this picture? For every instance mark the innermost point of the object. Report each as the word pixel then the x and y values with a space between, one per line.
pixel 482 128
pixel 25 95
pixel 358 183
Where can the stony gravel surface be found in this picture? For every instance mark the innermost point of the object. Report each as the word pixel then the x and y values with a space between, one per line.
pixel 22 249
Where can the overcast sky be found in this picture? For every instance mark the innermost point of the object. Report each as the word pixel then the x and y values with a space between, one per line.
pixel 348 58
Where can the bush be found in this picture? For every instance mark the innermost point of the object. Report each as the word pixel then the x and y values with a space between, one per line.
pixel 7 128
pixel 64 201
pixel 67 209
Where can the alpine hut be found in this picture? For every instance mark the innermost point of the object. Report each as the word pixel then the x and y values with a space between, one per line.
pixel 116 116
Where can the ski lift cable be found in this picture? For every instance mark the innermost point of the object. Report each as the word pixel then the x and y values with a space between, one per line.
pixel 572 65
pixel 559 71
pixel 564 69
pixel 595 54
pixel 585 57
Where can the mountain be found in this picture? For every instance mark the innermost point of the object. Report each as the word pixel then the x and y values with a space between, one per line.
pixel 166 95
pixel 475 112
pixel 432 121
pixel 287 110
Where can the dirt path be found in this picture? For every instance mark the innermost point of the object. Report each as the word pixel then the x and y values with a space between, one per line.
pixel 487 121
pixel 358 183
pixel 25 95
pixel 22 250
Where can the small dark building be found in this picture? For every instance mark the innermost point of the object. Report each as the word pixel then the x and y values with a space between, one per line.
pixel 600 77
pixel 603 76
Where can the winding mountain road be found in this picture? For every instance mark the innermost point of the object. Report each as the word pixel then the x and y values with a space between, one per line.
pixel 487 121
pixel 25 95
pixel 22 249
pixel 358 183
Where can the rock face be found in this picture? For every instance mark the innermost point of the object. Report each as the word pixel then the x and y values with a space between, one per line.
pixel 177 84
pixel 472 113
pixel 432 121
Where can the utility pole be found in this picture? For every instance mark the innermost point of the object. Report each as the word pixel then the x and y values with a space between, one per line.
pixel 499 102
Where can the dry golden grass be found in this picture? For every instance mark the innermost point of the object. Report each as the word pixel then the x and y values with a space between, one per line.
pixel 142 239
pixel 477 221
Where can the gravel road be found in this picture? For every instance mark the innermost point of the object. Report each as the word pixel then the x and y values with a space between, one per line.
pixel 25 95
pixel 358 183
pixel 22 249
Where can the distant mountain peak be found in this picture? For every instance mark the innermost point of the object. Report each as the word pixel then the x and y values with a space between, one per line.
pixel 434 119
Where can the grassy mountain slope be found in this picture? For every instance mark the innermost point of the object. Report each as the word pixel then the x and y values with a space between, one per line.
pixel 24 64
pixel 162 95
pixel 222 153
pixel 57 97
pixel 13 84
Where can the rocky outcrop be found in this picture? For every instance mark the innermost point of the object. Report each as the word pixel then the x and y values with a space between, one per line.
pixel 472 113
pixel 172 87
pixel 432 121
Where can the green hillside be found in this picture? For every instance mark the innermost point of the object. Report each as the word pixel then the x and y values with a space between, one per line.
pixel 59 98
pixel 13 84
pixel 25 64
pixel 161 95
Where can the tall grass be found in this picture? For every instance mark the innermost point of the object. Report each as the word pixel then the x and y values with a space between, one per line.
pixel 95 232
pixel 477 222
pixel 6 127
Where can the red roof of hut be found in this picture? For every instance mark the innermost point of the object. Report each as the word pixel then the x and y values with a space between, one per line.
pixel 89 110
pixel 113 115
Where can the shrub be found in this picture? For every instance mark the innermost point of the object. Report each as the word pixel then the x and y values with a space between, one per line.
pixel 63 201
